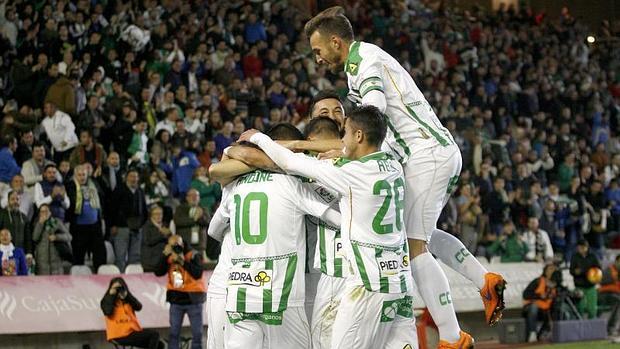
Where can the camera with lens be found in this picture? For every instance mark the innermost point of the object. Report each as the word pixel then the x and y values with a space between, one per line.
pixel 177 249
pixel 120 289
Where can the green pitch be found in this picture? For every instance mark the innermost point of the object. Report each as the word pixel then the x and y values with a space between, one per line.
pixel 579 345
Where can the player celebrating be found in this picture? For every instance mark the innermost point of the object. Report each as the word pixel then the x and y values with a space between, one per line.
pixel 265 292
pixel 432 163
pixel 375 311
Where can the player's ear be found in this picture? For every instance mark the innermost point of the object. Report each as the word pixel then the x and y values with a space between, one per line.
pixel 335 42
pixel 359 136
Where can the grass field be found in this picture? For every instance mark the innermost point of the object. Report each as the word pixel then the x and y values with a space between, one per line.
pixel 579 345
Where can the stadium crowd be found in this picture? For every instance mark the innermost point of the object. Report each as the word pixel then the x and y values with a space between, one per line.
pixel 112 113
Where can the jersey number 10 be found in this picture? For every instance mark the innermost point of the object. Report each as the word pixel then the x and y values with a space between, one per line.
pixel 242 218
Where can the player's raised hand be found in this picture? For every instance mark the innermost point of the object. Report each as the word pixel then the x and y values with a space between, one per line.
pixel 245 136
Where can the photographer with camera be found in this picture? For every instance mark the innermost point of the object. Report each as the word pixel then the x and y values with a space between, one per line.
pixel 538 298
pixel 186 289
pixel 122 326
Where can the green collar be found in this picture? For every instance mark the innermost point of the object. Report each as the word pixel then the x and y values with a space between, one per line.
pixel 354 59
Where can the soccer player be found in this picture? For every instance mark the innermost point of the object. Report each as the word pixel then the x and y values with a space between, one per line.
pixel 375 310
pixel 265 292
pixel 432 163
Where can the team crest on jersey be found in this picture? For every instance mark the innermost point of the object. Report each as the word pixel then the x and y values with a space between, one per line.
pixel 352 68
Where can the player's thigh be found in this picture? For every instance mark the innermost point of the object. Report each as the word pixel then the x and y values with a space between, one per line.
pixel 358 323
pixel 243 334
pixel 216 321
pixel 294 332
pixel 325 309
pixel 428 174
pixel 403 334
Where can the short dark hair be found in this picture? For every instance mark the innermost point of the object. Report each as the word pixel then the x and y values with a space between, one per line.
pixel 324 94
pixel 51 164
pixel 37 144
pixel 285 132
pixel 322 125
pixel 331 21
pixel 371 121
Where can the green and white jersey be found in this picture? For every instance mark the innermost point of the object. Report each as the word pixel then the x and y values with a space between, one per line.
pixel 372 191
pixel 328 256
pixel 412 122
pixel 267 214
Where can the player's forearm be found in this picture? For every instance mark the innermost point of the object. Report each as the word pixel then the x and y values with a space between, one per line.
pixel 313 146
pixel 226 169
pixel 282 157
pixel 253 157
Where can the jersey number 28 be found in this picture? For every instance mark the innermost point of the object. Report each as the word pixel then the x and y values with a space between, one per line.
pixel 382 188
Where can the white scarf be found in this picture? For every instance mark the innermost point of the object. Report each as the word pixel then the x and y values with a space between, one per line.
pixel 7 251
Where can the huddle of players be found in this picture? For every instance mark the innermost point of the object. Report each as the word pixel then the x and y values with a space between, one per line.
pixel 352 209
pixel 375 217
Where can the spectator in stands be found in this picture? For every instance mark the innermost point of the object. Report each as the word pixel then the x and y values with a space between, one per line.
pixel 191 221
pixel 539 247
pixel 550 223
pixel 122 327
pixel 538 297
pixel 52 243
pixel 210 192
pixel 469 210
pixel 52 192
pixel 186 289
pixel 169 123
pixel 137 151
pixel 224 138
pixel 62 92
pixel 60 130
pixel 156 191
pixel 509 245
pixel 154 239
pixel 128 216
pixel 18 224
pixel 497 205
pixel 609 295
pixel 88 151
pixel 85 216
pixel 184 163
pixel 12 259
pixel 24 148
pixel 581 262
pixel 32 169
pixel 26 199
pixel 8 165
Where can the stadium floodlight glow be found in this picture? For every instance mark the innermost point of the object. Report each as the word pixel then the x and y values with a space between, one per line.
pixel 591 39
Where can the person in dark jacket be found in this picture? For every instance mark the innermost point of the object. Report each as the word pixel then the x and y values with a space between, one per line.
pixel 581 262
pixel 127 217
pixel 85 216
pixel 48 232
pixel 154 239
pixel 191 221
pixel 17 223
pixel 538 298
pixel 122 326
pixel 186 289
pixel 8 165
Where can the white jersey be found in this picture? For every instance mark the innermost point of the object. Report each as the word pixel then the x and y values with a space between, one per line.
pixel 412 123
pixel 372 202
pixel 267 213
pixel 219 229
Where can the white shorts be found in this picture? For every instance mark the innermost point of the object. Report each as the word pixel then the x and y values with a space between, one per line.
pixel 293 333
pixel 312 280
pixel 330 290
pixel 369 320
pixel 216 321
pixel 431 175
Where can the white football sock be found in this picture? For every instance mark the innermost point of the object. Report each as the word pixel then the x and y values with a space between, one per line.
pixel 435 290
pixel 451 251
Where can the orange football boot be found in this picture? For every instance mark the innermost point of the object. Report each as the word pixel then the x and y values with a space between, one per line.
pixel 493 297
pixel 465 342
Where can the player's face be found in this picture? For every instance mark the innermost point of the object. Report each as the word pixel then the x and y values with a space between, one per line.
pixel 326 51
pixel 331 108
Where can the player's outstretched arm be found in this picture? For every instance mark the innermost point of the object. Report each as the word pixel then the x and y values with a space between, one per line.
pixel 227 170
pixel 255 158
pixel 321 146
pixel 298 164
